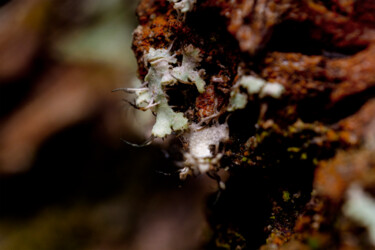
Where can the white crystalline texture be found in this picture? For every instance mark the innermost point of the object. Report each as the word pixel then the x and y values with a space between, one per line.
pixel 361 208
pixel 200 143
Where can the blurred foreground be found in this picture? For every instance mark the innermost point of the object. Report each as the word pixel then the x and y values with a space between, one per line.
pixel 67 181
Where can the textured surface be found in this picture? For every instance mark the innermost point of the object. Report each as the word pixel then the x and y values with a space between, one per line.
pixel 294 155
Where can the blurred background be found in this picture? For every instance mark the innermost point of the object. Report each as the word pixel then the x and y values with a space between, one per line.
pixel 67 181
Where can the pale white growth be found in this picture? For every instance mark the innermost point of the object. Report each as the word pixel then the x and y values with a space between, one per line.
pixel 154 55
pixel 274 90
pixel 203 142
pixel 187 73
pixel 200 140
pixel 154 96
pixel 203 146
pixel 141 122
pixel 253 85
pixel 143 98
pixel 361 208
pixel 183 6
pixel 161 73
pixel 167 119
pixel 237 101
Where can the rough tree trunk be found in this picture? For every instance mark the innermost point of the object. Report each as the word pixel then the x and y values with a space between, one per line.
pixel 300 152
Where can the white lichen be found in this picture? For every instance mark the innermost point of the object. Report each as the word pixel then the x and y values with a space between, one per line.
pixel 187 72
pixel 167 119
pixel 203 147
pixel 253 86
pixel 237 101
pixel 272 89
pixel 154 96
pixel 161 73
pixel 183 6
pixel 360 207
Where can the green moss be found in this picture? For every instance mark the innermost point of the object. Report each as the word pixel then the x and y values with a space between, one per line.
pixel 293 149
pixel 286 196
pixel 315 161
pixel 313 243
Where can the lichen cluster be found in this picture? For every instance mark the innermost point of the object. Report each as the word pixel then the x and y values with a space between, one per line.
pixel 282 103
pixel 163 72
pixel 253 85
